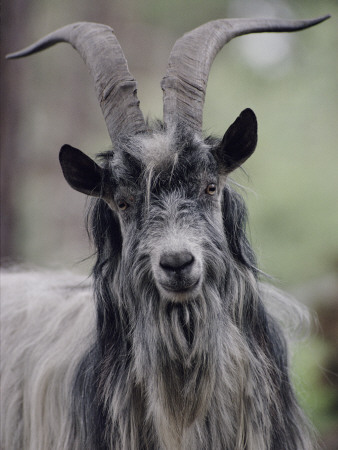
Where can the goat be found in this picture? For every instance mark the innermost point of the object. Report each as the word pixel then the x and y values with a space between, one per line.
pixel 178 350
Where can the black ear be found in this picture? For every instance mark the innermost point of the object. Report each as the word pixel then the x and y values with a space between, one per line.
pixel 238 143
pixel 80 171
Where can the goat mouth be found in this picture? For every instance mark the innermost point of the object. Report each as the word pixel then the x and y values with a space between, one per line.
pixel 180 289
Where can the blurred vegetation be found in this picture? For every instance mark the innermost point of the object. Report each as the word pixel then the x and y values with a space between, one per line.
pixel 291 182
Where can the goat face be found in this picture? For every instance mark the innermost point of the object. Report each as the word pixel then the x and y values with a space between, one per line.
pixel 166 190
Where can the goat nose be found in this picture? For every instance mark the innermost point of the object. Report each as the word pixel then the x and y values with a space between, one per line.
pixel 177 262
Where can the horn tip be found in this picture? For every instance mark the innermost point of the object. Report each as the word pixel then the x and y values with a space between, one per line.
pixel 317 21
pixel 19 54
pixel 323 18
pixel 10 56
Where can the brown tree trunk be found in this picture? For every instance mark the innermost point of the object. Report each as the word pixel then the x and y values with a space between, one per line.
pixel 14 23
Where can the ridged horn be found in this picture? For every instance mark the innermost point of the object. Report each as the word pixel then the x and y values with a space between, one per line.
pixel 114 85
pixel 185 81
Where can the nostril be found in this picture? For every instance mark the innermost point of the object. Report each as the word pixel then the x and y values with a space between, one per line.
pixel 176 261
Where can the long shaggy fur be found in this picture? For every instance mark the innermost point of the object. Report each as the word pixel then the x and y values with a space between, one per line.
pixel 142 370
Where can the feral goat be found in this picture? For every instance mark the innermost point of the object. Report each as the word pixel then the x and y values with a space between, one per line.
pixel 178 350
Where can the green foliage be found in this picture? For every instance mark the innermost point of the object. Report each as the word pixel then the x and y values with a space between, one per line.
pixel 316 395
pixel 180 16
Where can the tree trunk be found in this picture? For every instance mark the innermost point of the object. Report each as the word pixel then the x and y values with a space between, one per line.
pixel 13 28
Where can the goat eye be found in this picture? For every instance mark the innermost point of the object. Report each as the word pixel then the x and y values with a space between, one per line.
pixel 211 189
pixel 123 205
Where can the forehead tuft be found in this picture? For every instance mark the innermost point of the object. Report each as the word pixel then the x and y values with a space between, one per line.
pixel 157 150
pixel 161 151
pixel 160 154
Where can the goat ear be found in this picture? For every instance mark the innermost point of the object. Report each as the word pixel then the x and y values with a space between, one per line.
pixel 238 143
pixel 80 171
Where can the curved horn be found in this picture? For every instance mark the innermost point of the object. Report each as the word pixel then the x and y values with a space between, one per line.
pixel 115 87
pixel 185 81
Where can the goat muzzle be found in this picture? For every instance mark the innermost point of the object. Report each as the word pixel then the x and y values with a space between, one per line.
pixel 179 273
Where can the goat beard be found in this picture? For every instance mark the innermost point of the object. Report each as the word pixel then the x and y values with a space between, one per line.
pixel 176 353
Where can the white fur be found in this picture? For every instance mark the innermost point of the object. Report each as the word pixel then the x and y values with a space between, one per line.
pixel 46 334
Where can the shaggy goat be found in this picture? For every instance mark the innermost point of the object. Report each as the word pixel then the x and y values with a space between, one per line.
pixel 178 351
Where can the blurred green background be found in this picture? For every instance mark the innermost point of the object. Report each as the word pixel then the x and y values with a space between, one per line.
pixel 291 182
